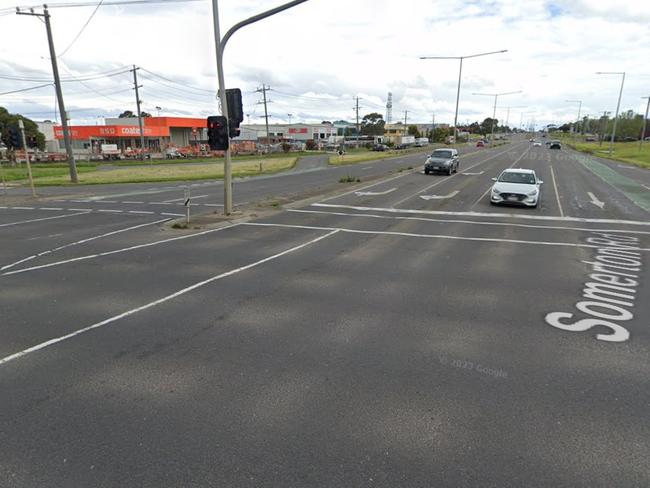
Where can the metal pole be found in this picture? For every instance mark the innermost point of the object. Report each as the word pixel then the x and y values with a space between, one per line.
pixel 21 125
pixel 618 106
pixel 645 121
pixel 460 74
pixel 579 110
pixel 266 118
pixel 137 101
pixel 358 128
pixel 494 114
pixel 227 166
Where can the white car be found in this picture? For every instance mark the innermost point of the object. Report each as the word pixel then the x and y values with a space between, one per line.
pixel 537 144
pixel 516 186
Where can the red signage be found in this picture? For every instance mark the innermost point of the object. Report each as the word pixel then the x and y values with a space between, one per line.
pixel 302 130
pixel 85 132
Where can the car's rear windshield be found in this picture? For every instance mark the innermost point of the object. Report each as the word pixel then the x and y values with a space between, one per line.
pixel 513 177
pixel 443 153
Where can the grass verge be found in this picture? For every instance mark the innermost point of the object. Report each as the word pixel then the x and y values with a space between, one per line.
pixel 625 152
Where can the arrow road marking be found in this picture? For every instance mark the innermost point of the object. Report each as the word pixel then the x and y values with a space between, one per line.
pixel 473 174
pixel 595 200
pixel 440 197
pixel 373 193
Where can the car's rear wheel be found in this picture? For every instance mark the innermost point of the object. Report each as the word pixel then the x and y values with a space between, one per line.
pixel 426 171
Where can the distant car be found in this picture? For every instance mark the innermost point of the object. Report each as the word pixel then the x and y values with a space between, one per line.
pixel 442 161
pixel 174 153
pixel 380 147
pixel 590 139
pixel 532 140
pixel 555 145
pixel 516 186
pixel 480 144
pixel 402 146
pixel 537 144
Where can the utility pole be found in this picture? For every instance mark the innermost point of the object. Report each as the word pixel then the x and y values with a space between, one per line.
pixel 433 124
pixel 575 126
pixel 21 126
pixel 263 90
pixel 138 102
pixel 356 108
pixel 602 129
pixel 406 114
pixel 59 92
pixel 618 105
pixel 494 113
pixel 645 122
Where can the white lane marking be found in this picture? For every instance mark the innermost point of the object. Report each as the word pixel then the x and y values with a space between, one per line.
pixel 116 251
pixel 172 214
pixel 82 241
pixel 183 199
pixel 144 212
pixel 490 187
pixel 110 211
pixel 373 193
pixel 219 204
pixel 369 186
pixel 433 236
pixel 80 201
pixel 557 193
pixel 482 214
pixel 595 200
pixel 472 174
pixel 447 177
pixel 176 294
pixel 22 208
pixel 44 218
pixel 41 237
pixel 440 197
pixel 131 202
pixel 50 208
pixel 646 187
pixel 157 203
pixel 471 222
pixel 367 167
pixel 81 209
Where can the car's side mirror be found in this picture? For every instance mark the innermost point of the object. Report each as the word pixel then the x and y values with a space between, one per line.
pixel 494 179
pixel 539 182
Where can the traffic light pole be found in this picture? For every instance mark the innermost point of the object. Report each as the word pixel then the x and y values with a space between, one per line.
pixel 59 93
pixel 220 44
pixel 21 126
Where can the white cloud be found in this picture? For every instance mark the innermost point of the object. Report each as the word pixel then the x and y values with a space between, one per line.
pixel 341 49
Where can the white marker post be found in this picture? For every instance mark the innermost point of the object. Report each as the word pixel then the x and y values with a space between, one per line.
pixel 21 126
pixel 187 202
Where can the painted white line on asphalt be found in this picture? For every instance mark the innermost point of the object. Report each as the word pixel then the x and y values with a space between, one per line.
pixel 557 194
pixel 472 174
pixel 50 208
pixel 81 201
pixel 218 204
pixel 183 291
pixel 44 218
pixel 373 193
pixel 116 251
pixel 144 212
pixel 172 214
pixel 440 197
pixel 158 203
pixel 110 211
pixel 22 208
pixel 433 236
pixel 448 177
pixel 81 209
pixel 131 202
pixel 595 200
pixel 490 187
pixel 482 214
pixel 646 187
pixel 183 199
pixel 471 222
pixel 82 241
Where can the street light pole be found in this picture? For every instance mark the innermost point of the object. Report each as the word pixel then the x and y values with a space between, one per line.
pixel 220 45
pixel 645 121
pixel 460 74
pixel 579 102
pixel 618 105
pixel 494 113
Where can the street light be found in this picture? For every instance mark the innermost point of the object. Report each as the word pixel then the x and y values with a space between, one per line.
pixel 494 114
pixel 508 113
pixel 579 102
pixel 460 72
pixel 618 105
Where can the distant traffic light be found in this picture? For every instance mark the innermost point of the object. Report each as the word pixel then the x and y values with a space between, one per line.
pixel 218 133
pixel 233 129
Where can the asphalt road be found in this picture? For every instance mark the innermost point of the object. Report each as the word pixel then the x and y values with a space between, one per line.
pixel 398 332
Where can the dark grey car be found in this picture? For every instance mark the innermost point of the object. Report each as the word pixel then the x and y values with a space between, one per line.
pixel 442 161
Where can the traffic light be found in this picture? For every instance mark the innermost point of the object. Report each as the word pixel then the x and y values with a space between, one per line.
pixel 235 109
pixel 233 129
pixel 218 133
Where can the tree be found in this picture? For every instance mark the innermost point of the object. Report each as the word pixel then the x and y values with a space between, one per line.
pixel 372 124
pixel 326 122
pixel 486 126
pixel 413 131
pixel 145 114
pixel 439 134
pixel 33 136
pixel 126 114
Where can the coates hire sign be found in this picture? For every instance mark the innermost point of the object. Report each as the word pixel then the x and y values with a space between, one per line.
pixel 85 132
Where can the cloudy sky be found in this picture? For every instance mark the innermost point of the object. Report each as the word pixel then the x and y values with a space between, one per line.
pixel 319 56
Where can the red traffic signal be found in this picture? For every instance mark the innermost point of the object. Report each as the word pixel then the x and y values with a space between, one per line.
pixel 217 133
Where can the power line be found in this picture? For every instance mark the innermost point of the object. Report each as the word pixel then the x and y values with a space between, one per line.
pixel 82 29
pixel 11 10
pixel 184 85
pixel 26 89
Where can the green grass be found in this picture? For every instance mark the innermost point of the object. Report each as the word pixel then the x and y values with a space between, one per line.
pixel 360 156
pixel 46 175
pixel 261 157
pixel 625 152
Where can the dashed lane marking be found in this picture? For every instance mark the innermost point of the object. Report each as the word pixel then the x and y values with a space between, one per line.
pixel 145 212
pixel 44 218
pixel 50 208
pixel 557 193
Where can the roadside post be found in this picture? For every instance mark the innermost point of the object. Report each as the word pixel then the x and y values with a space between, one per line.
pixel 187 197
pixel 21 126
